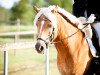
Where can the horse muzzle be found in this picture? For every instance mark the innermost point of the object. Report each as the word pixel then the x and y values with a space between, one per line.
pixel 40 46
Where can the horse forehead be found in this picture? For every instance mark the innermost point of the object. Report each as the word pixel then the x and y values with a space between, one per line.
pixel 46 13
pixel 43 17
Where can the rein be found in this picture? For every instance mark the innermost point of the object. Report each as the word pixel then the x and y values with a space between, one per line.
pixel 51 36
pixel 70 35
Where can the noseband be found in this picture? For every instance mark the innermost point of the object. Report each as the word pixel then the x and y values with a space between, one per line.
pixel 50 37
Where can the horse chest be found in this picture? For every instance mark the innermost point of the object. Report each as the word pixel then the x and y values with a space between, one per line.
pixel 65 65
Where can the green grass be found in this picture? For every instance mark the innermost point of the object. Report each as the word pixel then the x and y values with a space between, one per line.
pixel 19 59
pixel 26 61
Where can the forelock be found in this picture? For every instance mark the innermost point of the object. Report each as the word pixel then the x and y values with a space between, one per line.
pixel 48 14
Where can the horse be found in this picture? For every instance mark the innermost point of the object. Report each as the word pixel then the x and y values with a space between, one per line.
pixel 59 27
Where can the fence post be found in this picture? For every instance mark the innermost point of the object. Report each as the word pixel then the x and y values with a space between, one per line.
pixel 5 62
pixel 18 30
pixel 47 61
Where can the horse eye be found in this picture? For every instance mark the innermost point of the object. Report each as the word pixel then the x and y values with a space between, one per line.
pixel 39 19
pixel 49 25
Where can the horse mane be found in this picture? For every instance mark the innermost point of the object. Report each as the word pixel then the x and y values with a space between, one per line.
pixel 46 12
pixel 67 16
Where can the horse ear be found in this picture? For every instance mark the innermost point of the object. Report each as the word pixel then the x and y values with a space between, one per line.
pixel 36 9
pixel 55 10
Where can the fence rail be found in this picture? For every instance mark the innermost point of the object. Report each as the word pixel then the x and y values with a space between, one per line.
pixel 18 33
pixel 6 47
pixel 19 45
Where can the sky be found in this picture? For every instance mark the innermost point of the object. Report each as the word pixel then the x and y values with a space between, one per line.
pixel 7 3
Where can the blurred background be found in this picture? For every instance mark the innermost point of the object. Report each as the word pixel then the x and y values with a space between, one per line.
pixel 16 25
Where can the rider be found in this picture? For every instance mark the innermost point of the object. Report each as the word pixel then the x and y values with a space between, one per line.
pixel 84 8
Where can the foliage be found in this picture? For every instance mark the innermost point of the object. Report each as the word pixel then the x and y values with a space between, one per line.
pixel 39 3
pixel 23 11
pixel 67 4
pixel 4 14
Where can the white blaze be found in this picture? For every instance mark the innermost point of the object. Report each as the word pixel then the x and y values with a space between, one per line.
pixel 42 23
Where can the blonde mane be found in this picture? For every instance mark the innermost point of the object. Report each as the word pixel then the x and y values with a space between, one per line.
pixel 67 15
pixel 47 12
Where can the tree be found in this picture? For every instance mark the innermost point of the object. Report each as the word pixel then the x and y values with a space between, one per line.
pixel 23 11
pixel 39 3
pixel 4 15
pixel 66 4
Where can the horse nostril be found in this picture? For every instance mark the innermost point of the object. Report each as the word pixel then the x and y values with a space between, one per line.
pixel 39 48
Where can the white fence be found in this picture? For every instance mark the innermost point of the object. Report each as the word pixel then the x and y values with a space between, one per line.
pixel 7 47
pixel 20 45
pixel 10 46
pixel 18 33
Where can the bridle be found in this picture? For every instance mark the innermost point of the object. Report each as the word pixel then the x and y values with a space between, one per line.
pixel 52 36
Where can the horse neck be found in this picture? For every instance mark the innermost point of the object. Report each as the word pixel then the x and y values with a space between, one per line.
pixel 68 45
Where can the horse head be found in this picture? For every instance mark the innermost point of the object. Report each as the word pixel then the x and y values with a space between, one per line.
pixel 46 24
